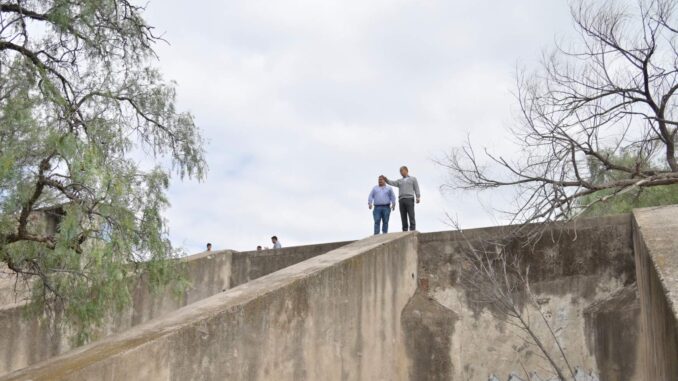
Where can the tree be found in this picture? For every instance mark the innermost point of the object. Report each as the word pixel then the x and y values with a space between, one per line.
pixel 611 94
pixel 87 123
pixel 495 277
pixel 606 202
pixel 495 274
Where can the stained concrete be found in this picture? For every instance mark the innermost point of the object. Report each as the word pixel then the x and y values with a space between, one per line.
pixel 656 248
pixel 12 289
pixel 249 265
pixel 392 307
pixel 429 327
pixel 333 317
pixel 27 341
pixel 572 267
pixel 613 331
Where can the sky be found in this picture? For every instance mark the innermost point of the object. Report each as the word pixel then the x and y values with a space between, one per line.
pixel 304 103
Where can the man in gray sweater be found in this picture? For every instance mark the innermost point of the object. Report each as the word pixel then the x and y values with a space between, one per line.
pixel 408 193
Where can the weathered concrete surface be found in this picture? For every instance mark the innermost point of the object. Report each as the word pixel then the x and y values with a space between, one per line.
pixel 613 330
pixel 354 313
pixel 24 341
pixel 332 317
pixel 249 265
pixel 656 247
pixel 572 267
pixel 12 289
pixel 27 341
pixel 429 328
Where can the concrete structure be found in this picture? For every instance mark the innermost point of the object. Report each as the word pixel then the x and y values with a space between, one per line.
pixel 392 307
pixel 332 317
pixel 26 342
pixel 656 243
pixel 577 270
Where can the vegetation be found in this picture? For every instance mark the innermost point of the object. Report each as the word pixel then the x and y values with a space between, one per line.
pixel 611 94
pixel 608 202
pixel 597 131
pixel 87 122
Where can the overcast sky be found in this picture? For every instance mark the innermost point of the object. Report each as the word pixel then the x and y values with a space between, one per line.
pixel 304 103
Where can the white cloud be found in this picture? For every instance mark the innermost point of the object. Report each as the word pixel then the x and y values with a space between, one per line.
pixel 304 103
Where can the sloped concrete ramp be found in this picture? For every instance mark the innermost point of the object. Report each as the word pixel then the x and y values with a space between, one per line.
pixel 24 342
pixel 333 317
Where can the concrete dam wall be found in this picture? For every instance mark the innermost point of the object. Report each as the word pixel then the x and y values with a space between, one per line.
pixel 24 342
pixel 578 271
pixel 334 317
pixel 394 307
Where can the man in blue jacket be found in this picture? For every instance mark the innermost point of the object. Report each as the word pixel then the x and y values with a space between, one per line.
pixel 408 194
pixel 383 200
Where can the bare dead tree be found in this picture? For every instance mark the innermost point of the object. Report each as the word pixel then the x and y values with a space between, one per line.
pixel 610 94
pixel 493 275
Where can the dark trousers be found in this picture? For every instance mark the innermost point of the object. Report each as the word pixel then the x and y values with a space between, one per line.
pixel 406 205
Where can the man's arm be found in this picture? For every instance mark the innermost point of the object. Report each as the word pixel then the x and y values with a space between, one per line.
pixel 393 183
pixel 416 189
pixel 370 199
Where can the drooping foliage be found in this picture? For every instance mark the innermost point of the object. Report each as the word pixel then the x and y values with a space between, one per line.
pixel 90 135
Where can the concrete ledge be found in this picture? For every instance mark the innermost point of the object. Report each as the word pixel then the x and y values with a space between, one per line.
pixel 656 248
pixel 589 246
pixel 333 317
pixel 505 231
pixel 249 265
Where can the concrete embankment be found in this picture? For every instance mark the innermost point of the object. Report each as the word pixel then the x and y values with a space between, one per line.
pixel 26 341
pixel 333 317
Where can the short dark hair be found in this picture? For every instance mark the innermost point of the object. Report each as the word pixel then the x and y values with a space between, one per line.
pixel 275 238
pixel 209 244
pixel 404 167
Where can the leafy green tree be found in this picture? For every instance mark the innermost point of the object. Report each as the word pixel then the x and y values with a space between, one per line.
pixel 87 122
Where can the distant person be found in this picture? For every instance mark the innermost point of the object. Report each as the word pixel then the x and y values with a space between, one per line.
pixel 408 193
pixel 259 248
pixel 276 243
pixel 383 199
pixel 209 246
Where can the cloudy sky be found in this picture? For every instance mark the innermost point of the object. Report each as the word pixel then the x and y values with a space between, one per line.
pixel 304 103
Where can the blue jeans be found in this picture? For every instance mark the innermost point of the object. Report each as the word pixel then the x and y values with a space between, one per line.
pixel 381 214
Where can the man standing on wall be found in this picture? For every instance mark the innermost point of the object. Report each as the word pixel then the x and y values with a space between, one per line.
pixel 383 199
pixel 276 243
pixel 408 192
